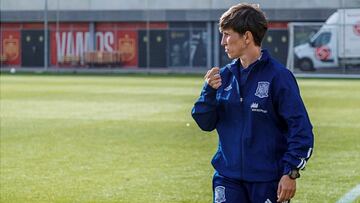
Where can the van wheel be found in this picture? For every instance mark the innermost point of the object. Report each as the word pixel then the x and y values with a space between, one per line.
pixel 306 65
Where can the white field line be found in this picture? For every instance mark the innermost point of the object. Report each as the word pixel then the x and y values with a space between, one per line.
pixel 351 195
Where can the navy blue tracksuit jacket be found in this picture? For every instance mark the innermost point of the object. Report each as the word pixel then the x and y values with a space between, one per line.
pixel 263 127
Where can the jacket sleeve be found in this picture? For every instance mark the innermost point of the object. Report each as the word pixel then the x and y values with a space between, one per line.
pixel 204 110
pixel 292 112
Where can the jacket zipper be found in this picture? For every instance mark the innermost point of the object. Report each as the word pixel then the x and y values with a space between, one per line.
pixel 242 126
pixel 242 121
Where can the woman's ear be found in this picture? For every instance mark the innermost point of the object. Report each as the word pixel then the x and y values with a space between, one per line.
pixel 248 37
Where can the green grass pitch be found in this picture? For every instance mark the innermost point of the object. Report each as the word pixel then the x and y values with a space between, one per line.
pixel 132 139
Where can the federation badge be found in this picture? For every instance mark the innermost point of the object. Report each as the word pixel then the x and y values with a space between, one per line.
pixel 127 47
pixel 11 48
pixel 220 194
pixel 262 89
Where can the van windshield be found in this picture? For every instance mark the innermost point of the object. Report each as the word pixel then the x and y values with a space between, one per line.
pixel 322 39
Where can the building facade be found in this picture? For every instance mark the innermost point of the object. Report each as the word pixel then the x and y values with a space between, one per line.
pixel 137 34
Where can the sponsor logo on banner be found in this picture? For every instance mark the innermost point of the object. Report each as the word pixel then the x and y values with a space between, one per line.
pixel 127 48
pixel 11 48
pixel 77 43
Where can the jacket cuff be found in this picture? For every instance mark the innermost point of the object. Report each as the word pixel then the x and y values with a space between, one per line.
pixel 287 169
pixel 209 89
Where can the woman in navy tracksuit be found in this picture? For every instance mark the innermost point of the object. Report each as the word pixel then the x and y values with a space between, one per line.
pixel 254 103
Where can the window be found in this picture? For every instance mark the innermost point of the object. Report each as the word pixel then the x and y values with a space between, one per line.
pixel 322 39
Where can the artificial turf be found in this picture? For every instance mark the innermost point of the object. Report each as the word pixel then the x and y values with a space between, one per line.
pixel 132 139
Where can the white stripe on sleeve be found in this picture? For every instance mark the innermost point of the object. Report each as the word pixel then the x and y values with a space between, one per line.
pixel 300 164
pixel 309 153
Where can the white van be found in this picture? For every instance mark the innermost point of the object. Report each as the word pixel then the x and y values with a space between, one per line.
pixel 336 44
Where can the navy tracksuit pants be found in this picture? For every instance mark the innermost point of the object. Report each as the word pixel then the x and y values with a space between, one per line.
pixel 236 191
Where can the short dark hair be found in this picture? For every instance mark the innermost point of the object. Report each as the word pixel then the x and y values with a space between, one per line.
pixel 245 17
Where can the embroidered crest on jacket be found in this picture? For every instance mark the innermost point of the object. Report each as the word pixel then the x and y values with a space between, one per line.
pixel 220 194
pixel 262 89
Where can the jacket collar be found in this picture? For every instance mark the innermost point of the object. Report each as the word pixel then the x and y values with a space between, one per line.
pixel 235 64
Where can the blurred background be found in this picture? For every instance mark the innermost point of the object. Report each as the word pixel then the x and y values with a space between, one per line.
pixel 172 36
pixel 96 95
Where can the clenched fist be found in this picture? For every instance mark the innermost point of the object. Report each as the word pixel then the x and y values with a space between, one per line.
pixel 213 78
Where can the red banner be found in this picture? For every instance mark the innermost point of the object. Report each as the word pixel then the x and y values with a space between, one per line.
pixel 10 47
pixel 68 42
pixel 125 40
pixel 128 47
pixel 74 41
